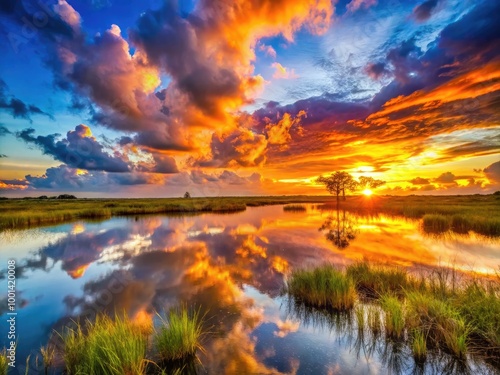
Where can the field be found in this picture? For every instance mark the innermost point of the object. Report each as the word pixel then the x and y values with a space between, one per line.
pixel 480 213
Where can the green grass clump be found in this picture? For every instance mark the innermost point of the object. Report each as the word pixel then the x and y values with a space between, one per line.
pixel 439 321
pixel 374 281
pixel 394 316
pixel 460 224
pixel 294 208
pixel 106 346
pixel 4 362
pixel 419 346
pixel 480 307
pixel 324 286
pixel 436 223
pixel 179 337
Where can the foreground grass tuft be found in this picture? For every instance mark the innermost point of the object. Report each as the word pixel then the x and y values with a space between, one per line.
pixel 419 346
pixel 106 346
pixel 439 320
pixel 4 362
pixel 323 287
pixel 394 316
pixel 179 336
pixel 374 281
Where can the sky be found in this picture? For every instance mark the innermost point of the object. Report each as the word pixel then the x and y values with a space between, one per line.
pixel 152 98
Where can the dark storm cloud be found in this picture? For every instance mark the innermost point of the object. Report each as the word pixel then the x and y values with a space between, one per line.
pixel 423 11
pixel 377 70
pixel 78 150
pixel 16 107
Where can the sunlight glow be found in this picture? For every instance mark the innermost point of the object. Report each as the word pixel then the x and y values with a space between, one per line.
pixel 367 192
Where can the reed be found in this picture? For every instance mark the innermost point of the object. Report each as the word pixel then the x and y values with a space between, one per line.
pixel 107 346
pixel 179 336
pixel 324 286
pixel 394 321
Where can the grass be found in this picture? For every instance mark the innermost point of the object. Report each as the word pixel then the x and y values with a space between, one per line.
pixel 373 318
pixel 373 281
pixel 436 223
pixel 179 336
pixel 394 320
pixel 106 346
pixel 294 208
pixel 439 320
pixel 419 346
pixel 25 213
pixel 4 362
pixel 323 287
pixel 48 354
pixel 437 311
pixel 478 213
pixel 459 213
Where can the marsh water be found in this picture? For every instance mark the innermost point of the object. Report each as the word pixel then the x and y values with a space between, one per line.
pixel 233 268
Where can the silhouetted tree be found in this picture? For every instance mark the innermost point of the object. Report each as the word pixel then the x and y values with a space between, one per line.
pixel 369 183
pixel 337 183
pixel 187 195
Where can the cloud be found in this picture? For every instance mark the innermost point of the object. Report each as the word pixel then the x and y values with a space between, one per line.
pixel 268 50
pixel 492 172
pixel 446 178
pixel 4 131
pixel 377 70
pixel 279 133
pixel 423 11
pixel 64 178
pixel 420 181
pixel 354 5
pixel 283 73
pixel 242 147
pixel 78 150
pixel 16 107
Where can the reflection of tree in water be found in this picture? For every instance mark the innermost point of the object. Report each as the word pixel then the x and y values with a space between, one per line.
pixel 339 228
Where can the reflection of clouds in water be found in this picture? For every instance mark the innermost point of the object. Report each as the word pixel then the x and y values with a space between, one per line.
pixel 232 268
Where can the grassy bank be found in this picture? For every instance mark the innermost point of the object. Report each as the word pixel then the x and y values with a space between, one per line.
pixel 478 213
pixel 459 213
pixel 427 312
pixel 24 213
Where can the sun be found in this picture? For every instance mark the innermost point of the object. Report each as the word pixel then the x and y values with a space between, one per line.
pixel 367 192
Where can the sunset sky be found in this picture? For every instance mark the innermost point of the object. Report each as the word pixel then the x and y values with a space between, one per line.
pixel 152 98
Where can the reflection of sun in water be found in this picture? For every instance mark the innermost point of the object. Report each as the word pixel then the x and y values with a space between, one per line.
pixel 367 192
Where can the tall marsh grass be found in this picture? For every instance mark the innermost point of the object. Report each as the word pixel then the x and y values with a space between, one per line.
pixel 107 346
pixel 435 312
pixel 179 336
pixel 4 362
pixel 324 286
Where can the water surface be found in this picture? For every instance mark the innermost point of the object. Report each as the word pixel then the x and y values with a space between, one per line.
pixel 233 267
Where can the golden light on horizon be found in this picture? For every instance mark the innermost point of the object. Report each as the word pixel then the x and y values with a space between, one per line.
pixel 367 192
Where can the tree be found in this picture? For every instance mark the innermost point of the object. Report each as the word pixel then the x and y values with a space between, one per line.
pixel 187 195
pixel 369 183
pixel 338 183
